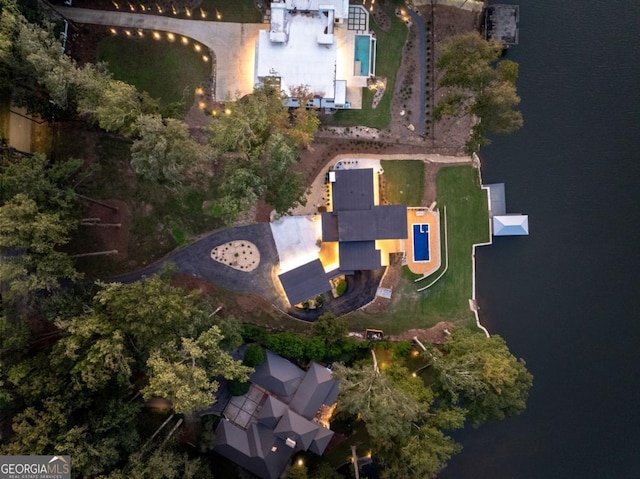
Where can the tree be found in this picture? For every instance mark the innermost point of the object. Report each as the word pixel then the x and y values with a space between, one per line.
pixel 48 183
pixel 254 355
pixel 480 375
pixel 477 87
pixel 185 375
pixel 165 153
pixel 257 142
pixel 28 239
pixel 330 329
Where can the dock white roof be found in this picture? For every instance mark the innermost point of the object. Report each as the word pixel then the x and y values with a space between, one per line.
pixel 511 225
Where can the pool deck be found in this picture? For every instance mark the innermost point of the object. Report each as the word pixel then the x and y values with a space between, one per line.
pixel 432 218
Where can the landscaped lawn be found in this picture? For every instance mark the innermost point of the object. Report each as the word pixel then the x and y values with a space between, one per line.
pixel 168 71
pixel 388 56
pixel 239 11
pixel 458 188
pixel 403 181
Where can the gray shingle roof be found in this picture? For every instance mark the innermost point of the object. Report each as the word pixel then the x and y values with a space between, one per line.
pixel 321 441
pixel 353 190
pixel 278 375
pixel 330 227
pixel 380 222
pixel 314 391
pixel 271 412
pixel 359 255
pixel 293 426
pixel 305 282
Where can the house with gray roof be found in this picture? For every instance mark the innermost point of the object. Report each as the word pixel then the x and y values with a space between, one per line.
pixel 357 223
pixel 285 411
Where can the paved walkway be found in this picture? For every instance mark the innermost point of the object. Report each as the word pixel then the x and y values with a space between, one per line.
pixel 422 76
pixel 232 43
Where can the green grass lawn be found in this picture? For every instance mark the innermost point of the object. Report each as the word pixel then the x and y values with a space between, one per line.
pixel 403 181
pixel 168 71
pixel 238 11
pixel 459 190
pixel 388 56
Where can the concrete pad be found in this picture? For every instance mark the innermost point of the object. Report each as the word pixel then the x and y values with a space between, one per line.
pixel 297 240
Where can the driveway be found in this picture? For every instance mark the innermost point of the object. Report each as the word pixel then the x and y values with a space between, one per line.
pixel 195 259
pixel 233 44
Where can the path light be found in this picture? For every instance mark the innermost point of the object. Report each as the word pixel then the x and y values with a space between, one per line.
pixel 131 7
pixel 185 41
pixel 205 58
pixel 197 47
pixel 113 30
pixel 214 112
pixel 300 462
pixel 115 4
pixel 187 11
pixel 203 14
pixel 227 111
pixel 201 105
pixel 171 36
pixel 156 36
pixel 140 33
pixel 415 353
pixel 127 33
pixel 218 15
pixel 173 9
pixel 199 91
pixel 159 8
pixel 414 375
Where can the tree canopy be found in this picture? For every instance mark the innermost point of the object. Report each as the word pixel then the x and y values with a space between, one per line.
pixel 480 375
pixel 479 85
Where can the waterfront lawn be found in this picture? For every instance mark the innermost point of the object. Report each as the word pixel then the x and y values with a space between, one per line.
pixel 167 71
pixel 458 188
pixel 403 181
pixel 388 56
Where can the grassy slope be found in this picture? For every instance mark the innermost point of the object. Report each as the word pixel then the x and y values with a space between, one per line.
pixel 459 190
pixel 168 71
pixel 388 56
pixel 404 181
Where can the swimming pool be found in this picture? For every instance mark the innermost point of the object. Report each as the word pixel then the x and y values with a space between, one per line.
pixel 362 53
pixel 421 242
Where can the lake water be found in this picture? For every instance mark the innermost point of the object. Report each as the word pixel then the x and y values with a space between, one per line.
pixel 567 297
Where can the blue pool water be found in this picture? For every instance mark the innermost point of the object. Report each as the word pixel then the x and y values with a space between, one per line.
pixel 420 242
pixel 363 46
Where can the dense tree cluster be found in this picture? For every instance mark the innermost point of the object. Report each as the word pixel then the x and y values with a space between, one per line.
pixel 78 395
pixel 253 149
pixel 476 379
pixel 478 85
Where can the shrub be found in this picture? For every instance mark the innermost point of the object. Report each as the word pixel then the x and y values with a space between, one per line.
pixel 238 388
pixel 254 355
pixel 253 334
pixel 341 288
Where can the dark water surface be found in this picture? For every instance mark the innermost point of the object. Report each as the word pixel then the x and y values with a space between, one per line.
pixel 567 298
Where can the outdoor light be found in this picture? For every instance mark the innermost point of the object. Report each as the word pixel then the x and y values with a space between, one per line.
pixel 115 4
pixel 300 462
pixel 414 375
pixel 188 12
pixel 205 58
pixel 185 41
pixel 173 9
pixel 113 30
pixel 159 8
pixel 197 47
pixel 171 36
pixel 131 7
pixel 127 33
pixel 218 15
pixel 415 353
pixel 201 105
pixel 227 111
pixel 203 14
pixel 140 33
pixel 156 35
pixel 199 91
